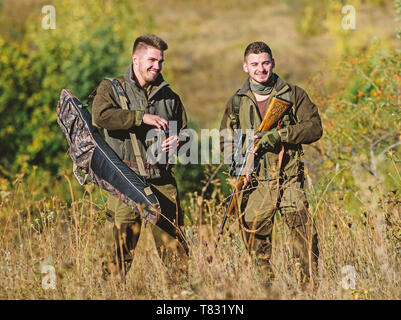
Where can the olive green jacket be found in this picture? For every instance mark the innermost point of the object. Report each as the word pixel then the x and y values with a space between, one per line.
pixel 301 125
pixel 107 113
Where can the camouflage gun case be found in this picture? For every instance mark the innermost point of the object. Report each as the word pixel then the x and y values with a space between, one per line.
pixel 92 157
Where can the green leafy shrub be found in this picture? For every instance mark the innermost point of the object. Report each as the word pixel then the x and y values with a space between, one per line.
pixel 92 40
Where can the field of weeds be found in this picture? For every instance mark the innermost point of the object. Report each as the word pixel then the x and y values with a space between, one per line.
pixel 359 253
pixel 52 230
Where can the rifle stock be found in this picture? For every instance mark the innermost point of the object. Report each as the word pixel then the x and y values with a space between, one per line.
pixel 274 112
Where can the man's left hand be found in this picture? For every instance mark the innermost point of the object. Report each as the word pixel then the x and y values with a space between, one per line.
pixel 268 139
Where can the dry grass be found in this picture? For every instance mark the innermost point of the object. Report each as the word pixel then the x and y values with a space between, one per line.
pixel 204 62
pixel 70 238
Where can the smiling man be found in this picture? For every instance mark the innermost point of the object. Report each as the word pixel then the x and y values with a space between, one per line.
pixel 152 105
pixel 277 183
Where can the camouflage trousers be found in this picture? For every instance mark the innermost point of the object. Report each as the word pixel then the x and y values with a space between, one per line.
pixel 123 228
pixel 259 205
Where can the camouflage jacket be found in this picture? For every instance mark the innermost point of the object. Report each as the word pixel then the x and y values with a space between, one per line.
pixel 118 123
pixel 300 125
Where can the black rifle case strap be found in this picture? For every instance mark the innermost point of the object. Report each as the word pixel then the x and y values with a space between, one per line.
pixel 134 141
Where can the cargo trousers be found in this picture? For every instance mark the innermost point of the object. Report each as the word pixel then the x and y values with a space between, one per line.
pixel 123 228
pixel 259 205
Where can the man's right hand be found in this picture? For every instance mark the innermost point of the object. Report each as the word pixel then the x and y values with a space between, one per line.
pixel 155 121
pixel 247 180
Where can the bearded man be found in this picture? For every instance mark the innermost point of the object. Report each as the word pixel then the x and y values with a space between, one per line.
pixel 153 105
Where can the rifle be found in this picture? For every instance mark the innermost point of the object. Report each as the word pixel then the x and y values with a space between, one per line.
pixel 275 111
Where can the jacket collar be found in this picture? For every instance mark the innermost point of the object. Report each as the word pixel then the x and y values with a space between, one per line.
pixel 155 86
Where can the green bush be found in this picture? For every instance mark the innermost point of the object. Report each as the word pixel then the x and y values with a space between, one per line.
pixel 92 40
pixel 362 125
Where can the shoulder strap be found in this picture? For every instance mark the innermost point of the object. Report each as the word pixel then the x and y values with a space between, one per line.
pixel 123 101
pixel 236 103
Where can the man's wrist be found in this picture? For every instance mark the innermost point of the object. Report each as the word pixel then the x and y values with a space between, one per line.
pixel 283 134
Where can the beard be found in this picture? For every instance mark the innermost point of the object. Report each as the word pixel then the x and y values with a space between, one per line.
pixel 148 76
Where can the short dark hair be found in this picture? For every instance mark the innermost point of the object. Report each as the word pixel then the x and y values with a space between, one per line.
pixel 149 40
pixel 257 47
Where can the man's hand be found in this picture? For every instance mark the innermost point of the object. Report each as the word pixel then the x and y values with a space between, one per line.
pixel 170 143
pixel 155 121
pixel 267 138
pixel 247 180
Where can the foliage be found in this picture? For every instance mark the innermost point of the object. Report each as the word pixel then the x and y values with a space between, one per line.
pixel 362 123
pixel 92 40
pixel 45 214
pixel 325 18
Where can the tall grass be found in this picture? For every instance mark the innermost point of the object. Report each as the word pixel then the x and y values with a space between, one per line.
pixel 69 237
pixel 54 222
